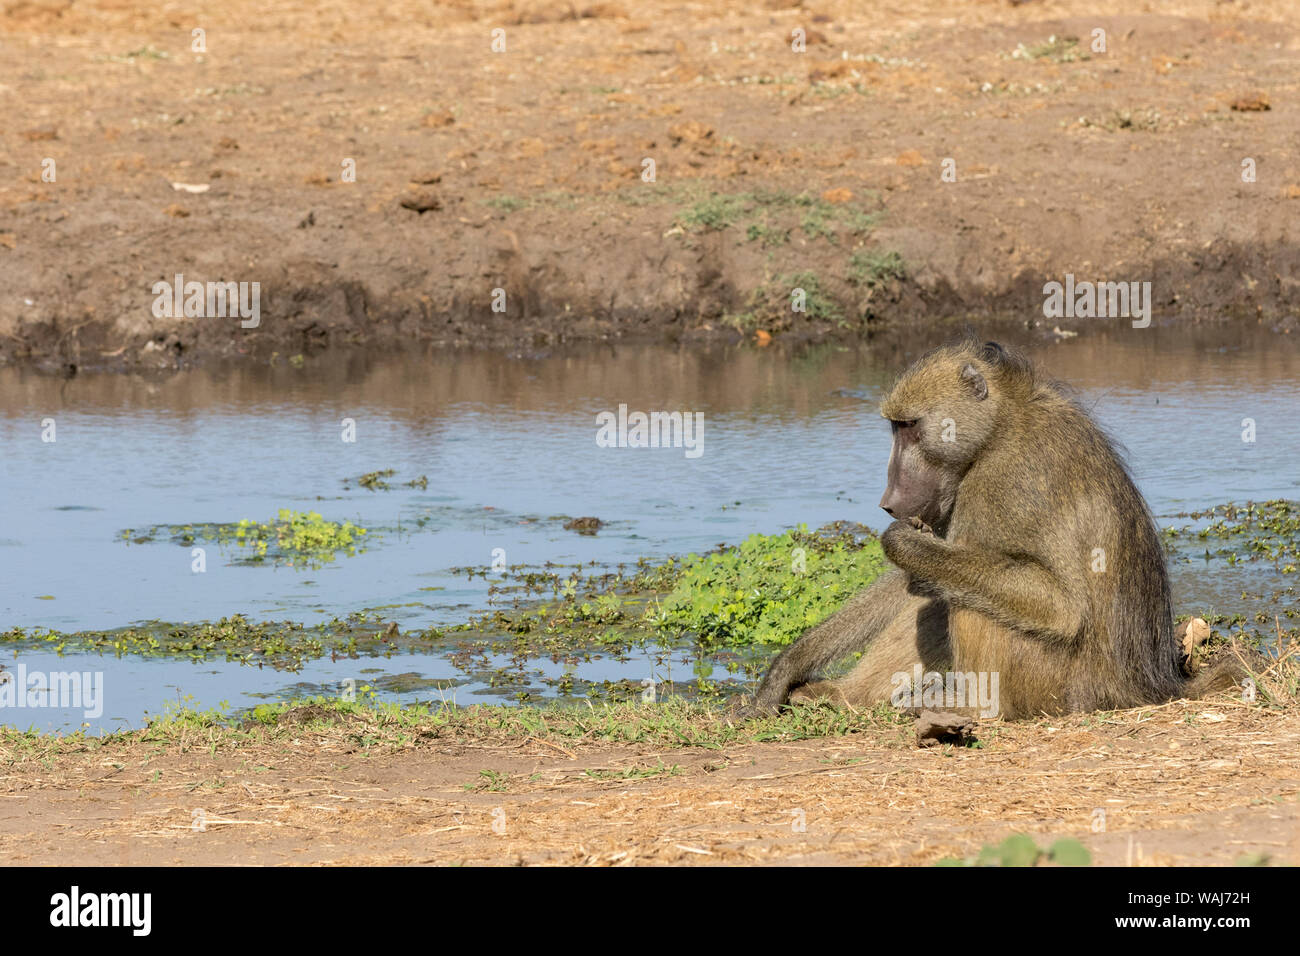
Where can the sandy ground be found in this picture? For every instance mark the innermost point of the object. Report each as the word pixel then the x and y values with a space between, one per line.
pixel 521 170
pixel 1205 782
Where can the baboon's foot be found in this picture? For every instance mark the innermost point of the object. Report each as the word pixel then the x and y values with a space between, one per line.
pixel 822 690
pixel 742 707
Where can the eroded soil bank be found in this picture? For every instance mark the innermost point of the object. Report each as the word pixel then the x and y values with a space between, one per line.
pixel 129 159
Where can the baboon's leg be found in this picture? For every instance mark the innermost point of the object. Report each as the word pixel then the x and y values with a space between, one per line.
pixel 865 616
pixel 918 634
pixel 1025 676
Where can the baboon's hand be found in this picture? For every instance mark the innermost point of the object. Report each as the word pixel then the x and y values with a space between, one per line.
pixel 920 525
pixel 905 545
pixel 894 539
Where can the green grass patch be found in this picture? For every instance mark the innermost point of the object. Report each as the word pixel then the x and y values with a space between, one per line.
pixel 773 214
pixel 875 268
pixel 818 305
pixel 771 306
pixel 374 726
pixel 715 212
pixel 767 235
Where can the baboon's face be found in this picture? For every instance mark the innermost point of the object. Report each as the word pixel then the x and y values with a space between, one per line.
pixel 915 487
pixel 941 413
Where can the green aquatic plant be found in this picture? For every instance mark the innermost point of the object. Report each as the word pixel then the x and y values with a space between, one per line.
pixel 299 538
pixel 375 480
pixel 310 534
pixel 283 645
pixel 378 480
pixel 725 608
pixel 771 588
pixel 1267 530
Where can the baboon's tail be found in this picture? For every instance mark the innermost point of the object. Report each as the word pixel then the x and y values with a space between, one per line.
pixel 1229 668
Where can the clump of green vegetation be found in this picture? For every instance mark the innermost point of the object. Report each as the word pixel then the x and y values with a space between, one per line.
pixel 771 589
pixel 818 222
pixel 1054 48
pixel 300 537
pixel 493 781
pixel 772 306
pixel 378 480
pixel 818 305
pixel 374 480
pixel 715 212
pixel 818 218
pixel 859 221
pixel 875 268
pixel 767 235
pixel 1021 850
pixel 297 538
pixel 652 610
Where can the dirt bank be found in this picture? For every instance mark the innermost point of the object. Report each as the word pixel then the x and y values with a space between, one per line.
pixel 522 170
pixel 1206 782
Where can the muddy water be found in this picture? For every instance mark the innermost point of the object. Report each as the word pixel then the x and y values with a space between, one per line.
pixel 508 443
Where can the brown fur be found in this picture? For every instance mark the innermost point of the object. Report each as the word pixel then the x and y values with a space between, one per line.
pixel 1024 550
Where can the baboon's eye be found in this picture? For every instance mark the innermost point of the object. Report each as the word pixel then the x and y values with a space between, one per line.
pixel 895 424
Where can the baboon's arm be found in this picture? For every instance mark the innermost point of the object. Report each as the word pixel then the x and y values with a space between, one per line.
pixel 849 629
pixel 1014 590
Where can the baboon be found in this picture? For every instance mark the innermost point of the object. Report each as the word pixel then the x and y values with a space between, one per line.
pixel 1022 549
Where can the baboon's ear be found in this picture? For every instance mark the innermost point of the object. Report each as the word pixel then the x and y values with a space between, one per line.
pixel 973 380
pixel 992 352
